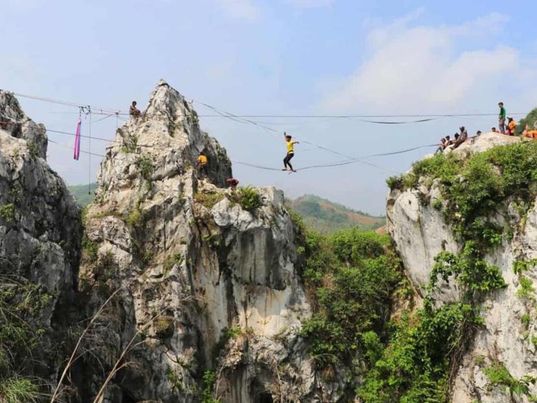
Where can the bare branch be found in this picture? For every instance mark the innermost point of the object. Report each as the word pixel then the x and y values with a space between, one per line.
pixel 79 341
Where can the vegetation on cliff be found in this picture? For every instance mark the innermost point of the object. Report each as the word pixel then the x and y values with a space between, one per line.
pixel 354 278
pixel 23 339
pixel 483 197
pixel 350 277
pixel 474 188
pixel 318 214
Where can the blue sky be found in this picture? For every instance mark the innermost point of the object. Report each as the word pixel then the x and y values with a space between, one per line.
pixel 277 57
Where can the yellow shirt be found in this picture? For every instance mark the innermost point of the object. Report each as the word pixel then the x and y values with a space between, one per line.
pixel 290 147
pixel 202 159
pixel 512 125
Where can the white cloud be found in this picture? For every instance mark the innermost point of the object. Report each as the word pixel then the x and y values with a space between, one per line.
pixel 411 68
pixel 240 9
pixel 310 3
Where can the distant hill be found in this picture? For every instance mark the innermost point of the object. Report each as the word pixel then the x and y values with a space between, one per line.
pixel 318 213
pixel 326 216
pixel 82 195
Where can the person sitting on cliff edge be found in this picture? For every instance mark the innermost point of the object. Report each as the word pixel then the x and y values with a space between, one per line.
pixel 529 133
pixel 511 126
pixel 441 146
pixel 461 138
pixel 134 111
pixel 232 183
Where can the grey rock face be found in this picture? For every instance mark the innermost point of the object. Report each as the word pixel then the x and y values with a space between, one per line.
pixel 40 231
pixel 40 221
pixel 205 285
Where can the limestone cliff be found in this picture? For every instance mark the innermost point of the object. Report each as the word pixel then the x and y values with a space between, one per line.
pixel 429 217
pixel 40 233
pixel 207 277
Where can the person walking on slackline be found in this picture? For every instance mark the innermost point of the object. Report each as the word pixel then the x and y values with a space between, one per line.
pixel 501 118
pixel 290 143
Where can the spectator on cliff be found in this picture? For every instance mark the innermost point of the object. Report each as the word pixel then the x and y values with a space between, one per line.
pixel 511 126
pixel 134 111
pixel 460 137
pixel 441 146
pixel 493 130
pixel 501 118
pixel 529 133
pixel 232 183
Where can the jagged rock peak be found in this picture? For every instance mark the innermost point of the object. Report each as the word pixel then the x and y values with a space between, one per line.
pixel 166 101
pixel 175 242
pixel 166 141
pixel 14 121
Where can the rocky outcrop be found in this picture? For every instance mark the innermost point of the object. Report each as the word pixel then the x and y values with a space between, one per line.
pixel 40 233
pixel 39 219
pixel 506 340
pixel 209 292
pixel 15 122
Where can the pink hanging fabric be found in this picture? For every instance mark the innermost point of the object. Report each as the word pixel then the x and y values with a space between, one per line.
pixel 76 151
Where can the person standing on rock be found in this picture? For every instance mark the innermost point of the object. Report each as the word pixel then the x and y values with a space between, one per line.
pixel 501 118
pixel 290 143
pixel 134 111
pixel 203 164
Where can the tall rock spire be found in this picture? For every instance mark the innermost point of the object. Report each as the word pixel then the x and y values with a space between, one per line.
pixel 193 260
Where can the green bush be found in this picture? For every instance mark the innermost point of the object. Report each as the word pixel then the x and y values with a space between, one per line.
pixel 130 144
pixel 18 390
pixel 320 258
pixel 415 365
pixel 208 199
pixel 249 198
pixel 526 289
pixel 176 259
pixel 146 167
pixel 134 218
pixel 530 120
pixel 520 266
pixel 498 375
pixel 33 150
pixel 209 381
pixel 395 182
pixel 351 293
pixel 472 273
pixel 21 339
pixel 353 245
pixel 7 212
